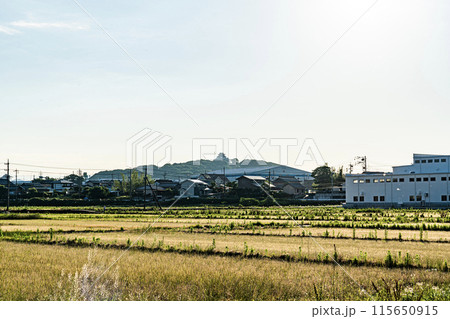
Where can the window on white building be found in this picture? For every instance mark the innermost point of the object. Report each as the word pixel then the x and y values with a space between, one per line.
pixel 361 198
pixel 381 198
pixel 411 198
pixel 444 198
pixel 375 198
pixel 355 198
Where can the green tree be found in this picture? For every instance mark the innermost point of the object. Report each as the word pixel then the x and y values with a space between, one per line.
pixel 232 185
pixel 78 180
pixel 323 176
pixel 33 192
pixel 3 192
pixel 338 176
pixel 137 180
pixel 43 180
pixel 98 192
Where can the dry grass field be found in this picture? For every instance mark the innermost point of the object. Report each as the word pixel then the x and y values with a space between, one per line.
pixel 224 254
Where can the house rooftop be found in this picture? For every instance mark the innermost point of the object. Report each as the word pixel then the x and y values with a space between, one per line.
pixel 255 178
pixel 195 181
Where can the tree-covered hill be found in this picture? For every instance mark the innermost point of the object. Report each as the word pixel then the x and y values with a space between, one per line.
pixel 179 171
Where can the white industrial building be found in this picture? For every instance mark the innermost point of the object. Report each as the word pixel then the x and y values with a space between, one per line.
pixel 274 172
pixel 425 183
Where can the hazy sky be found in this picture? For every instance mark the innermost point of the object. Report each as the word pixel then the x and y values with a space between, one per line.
pixel 70 97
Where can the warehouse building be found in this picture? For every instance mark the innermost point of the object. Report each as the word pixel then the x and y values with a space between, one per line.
pixel 425 183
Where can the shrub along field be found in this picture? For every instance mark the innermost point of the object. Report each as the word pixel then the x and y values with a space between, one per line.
pixel 224 253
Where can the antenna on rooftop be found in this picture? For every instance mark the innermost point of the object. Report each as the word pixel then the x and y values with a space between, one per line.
pixel 363 161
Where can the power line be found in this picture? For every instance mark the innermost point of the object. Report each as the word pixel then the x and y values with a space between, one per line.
pixel 40 172
pixel 65 168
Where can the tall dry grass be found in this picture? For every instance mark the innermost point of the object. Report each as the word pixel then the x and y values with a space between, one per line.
pixel 33 272
pixel 94 282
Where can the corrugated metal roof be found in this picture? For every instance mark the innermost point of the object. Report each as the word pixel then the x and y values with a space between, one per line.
pixel 263 170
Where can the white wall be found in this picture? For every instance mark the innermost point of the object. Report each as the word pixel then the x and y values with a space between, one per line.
pixel 425 164
pixel 185 186
pixel 430 187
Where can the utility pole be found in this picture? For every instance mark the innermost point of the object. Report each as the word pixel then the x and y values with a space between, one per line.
pixel 145 183
pixel 362 160
pixel 7 178
pixel 17 185
pixel 153 192
pixel 131 189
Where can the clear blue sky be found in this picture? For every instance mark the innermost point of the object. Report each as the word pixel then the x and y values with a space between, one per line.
pixel 70 97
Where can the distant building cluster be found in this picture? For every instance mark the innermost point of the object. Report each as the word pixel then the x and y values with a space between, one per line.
pixel 282 179
pixel 294 182
pixel 51 186
pixel 424 183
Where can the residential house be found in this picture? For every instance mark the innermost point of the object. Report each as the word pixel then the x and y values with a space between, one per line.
pixel 109 184
pixel 61 186
pixel 194 188
pixel 13 188
pixel 158 190
pixel 38 186
pixel 217 179
pixel 251 182
pixel 289 185
pixel 167 184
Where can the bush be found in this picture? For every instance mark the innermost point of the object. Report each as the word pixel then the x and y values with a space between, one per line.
pixel 389 260
pixel 267 202
pixel 98 192
pixel 249 202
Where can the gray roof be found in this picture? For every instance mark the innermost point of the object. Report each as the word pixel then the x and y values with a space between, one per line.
pixel 195 181
pixel 254 178
pixel 262 170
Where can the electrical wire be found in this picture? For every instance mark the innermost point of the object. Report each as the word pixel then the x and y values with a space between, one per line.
pixel 64 168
